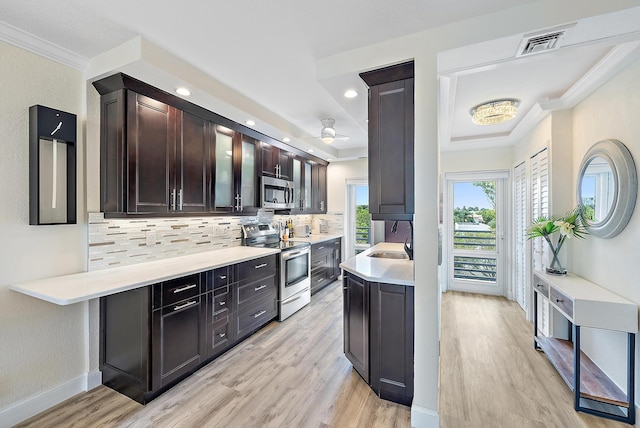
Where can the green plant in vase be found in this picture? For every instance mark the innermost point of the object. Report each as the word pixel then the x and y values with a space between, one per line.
pixel 572 224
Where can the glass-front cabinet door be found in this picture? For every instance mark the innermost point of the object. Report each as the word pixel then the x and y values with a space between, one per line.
pixel 297 184
pixel 308 200
pixel 248 184
pixel 223 184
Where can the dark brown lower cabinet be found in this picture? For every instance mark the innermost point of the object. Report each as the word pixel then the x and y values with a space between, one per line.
pixel 149 338
pixel 325 263
pixel 152 337
pixel 378 335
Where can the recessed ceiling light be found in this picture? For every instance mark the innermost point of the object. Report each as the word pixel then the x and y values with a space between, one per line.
pixel 350 93
pixel 183 91
pixel 310 150
pixel 286 139
pixel 250 122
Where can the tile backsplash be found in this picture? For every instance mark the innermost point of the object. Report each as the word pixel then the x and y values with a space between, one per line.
pixel 121 242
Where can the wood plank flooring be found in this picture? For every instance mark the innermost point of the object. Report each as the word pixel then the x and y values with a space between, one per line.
pixel 291 374
pixel 294 374
pixel 490 375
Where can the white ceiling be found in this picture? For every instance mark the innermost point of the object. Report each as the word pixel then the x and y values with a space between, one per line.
pixel 266 51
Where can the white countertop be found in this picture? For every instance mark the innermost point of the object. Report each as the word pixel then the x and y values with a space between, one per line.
pixel 317 237
pixel 78 287
pixel 374 269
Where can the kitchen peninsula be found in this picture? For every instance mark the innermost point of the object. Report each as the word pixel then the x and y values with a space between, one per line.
pixel 378 290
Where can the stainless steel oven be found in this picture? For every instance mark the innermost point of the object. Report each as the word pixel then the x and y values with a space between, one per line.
pixel 294 291
pixel 277 193
pixel 295 280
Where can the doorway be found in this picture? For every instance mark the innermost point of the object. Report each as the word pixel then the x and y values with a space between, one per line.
pixel 358 231
pixel 475 218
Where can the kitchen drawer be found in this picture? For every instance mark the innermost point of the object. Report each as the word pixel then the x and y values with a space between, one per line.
pixel 221 301
pixel 319 255
pixel 175 290
pixel 256 290
pixel 541 286
pixel 256 314
pixel 253 270
pixel 562 301
pixel 220 336
pixel 222 276
pixel 319 278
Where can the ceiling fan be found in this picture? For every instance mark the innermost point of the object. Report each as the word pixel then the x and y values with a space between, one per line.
pixel 328 133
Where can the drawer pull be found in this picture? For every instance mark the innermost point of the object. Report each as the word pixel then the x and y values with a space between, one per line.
pixel 320 280
pixel 185 305
pixel 260 288
pixel 222 276
pixel 320 262
pixel 222 334
pixel 538 285
pixel 259 314
pixel 188 287
pixel 320 248
pixel 260 266
pixel 222 303
pixel 559 300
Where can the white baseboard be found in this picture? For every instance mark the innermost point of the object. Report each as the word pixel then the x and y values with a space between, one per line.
pixel 37 403
pixel 421 417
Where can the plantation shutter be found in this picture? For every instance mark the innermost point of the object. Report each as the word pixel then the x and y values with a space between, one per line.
pixel 520 225
pixel 540 207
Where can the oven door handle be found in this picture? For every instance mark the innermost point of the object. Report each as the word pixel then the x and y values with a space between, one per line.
pixel 288 255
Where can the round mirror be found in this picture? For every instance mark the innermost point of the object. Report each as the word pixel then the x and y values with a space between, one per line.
pixel 607 187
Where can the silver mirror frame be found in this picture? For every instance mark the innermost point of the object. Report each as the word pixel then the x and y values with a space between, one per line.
pixel 625 178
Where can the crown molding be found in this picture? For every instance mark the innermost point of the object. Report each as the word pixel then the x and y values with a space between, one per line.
pixel 38 46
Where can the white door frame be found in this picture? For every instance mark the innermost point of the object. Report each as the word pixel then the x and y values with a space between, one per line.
pixel 503 245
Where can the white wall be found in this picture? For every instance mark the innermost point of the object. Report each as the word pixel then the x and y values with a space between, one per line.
pixel 610 112
pixel 499 158
pixel 337 175
pixel 42 345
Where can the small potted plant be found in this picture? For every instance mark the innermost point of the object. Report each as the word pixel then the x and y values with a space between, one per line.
pixel 572 224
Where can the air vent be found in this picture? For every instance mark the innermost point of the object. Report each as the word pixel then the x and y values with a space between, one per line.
pixel 542 42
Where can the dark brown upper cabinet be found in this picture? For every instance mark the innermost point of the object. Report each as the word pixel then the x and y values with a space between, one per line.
pixel 276 162
pixel 391 142
pixel 162 155
pixel 157 163
pixel 319 188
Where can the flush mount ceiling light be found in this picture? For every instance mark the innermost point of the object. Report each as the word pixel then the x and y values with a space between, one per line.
pixel 250 122
pixel 350 93
pixel 494 112
pixel 286 139
pixel 183 91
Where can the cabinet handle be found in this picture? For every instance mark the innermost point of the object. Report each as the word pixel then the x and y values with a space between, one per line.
pixel 188 287
pixel 222 303
pixel 319 262
pixel 180 198
pixel 237 198
pixel 260 266
pixel 321 205
pixel 222 276
pixel 538 285
pixel 222 334
pixel 559 300
pixel 320 248
pixel 185 305
pixel 173 199
pixel 320 280
pixel 259 314
pixel 260 288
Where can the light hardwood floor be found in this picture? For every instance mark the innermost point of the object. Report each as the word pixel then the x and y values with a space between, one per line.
pixel 490 375
pixel 294 374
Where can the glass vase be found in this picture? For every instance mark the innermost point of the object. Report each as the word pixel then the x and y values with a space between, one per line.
pixel 556 267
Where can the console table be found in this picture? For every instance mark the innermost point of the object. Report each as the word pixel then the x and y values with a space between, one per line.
pixel 585 304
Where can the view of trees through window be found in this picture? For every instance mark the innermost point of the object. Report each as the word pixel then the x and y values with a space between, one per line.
pixel 474 216
pixel 363 219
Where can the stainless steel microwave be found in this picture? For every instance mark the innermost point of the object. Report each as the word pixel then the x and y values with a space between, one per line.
pixel 277 193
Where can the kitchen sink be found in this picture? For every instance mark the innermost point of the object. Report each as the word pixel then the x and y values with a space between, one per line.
pixel 389 255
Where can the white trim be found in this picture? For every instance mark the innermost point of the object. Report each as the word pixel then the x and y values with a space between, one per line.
pixel 31 43
pixel 31 406
pixel 421 417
